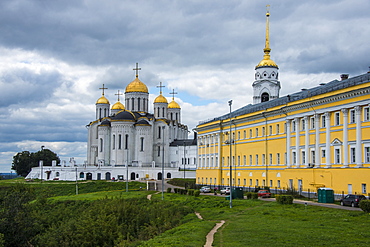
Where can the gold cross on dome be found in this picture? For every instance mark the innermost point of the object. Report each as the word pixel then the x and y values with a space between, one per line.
pixel 103 89
pixel 160 87
pixel 173 94
pixel 118 94
pixel 137 69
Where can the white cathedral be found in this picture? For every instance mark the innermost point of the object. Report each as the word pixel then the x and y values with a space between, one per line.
pixel 130 142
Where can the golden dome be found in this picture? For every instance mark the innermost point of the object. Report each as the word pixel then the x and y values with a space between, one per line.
pixel 160 99
pixel 102 100
pixel 136 86
pixel 118 106
pixel 173 104
pixel 266 61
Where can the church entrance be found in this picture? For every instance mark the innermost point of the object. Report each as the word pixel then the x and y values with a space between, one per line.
pixel 107 176
pixel 159 176
pixel 132 175
pixel 98 176
pixel 88 176
pixel 168 175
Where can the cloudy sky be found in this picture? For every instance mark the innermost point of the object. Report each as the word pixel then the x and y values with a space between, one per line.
pixel 55 55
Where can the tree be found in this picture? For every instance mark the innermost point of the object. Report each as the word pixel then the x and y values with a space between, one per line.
pixel 24 161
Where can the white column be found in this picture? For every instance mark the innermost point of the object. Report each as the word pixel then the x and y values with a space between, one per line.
pixel 297 151
pixel 307 142
pixel 327 141
pixel 345 138
pixel 317 140
pixel 288 143
pixel 358 137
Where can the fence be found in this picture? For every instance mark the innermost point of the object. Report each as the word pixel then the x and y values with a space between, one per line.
pixel 307 193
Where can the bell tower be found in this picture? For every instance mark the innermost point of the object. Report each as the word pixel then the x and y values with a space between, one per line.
pixel 266 86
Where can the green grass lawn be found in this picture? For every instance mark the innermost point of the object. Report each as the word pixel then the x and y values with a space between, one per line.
pixel 260 223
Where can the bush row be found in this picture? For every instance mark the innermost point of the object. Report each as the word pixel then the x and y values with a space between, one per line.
pixel 190 192
pixel 251 195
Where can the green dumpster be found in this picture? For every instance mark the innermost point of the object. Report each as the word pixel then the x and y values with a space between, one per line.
pixel 238 193
pixel 325 195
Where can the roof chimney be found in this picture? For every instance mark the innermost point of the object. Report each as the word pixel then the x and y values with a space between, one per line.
pixel 344 76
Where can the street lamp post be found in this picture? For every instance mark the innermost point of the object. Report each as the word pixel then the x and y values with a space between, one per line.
pixel 163 127
pixel 231 161
pixel 184 158
pixel 127 170
pixel 42 162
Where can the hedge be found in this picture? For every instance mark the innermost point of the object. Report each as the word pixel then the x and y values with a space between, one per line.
pixel 284 199
pixel 365 205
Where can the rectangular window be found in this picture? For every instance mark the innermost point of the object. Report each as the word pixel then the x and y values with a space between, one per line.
pixel 337 156
pixel 256 182
pixel 294 158
pixel 277 129
pixel 293 126
pixel 353 155
pixel 312 120
pixel 223 161
pixel 256 132
pixel 278 183
pixel 250 133
pixel 263 131
pixel 323 153
pixel 271 184
pixel 270 159
pixel 250 182
pixel 245 160
pixel 366 114
pixel 238 160
pixel 303 157
pixel 337 118
pixel 323 121
pixel 303 124
pixel 352 116
pixel 256 159
pixel 159 132
pixel 250 160
pixel 263 159
pixel 363 186
pixel 245 182
pixel 238 135
pixel 270 130
pixel 367 154
pixel 313 156
pixel 245 134
pixel 278 158
pixel 159 151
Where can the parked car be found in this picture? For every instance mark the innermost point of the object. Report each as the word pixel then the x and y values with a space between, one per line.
pixel 205 189
pixel 225 191
pixel 264 193
pixel 352 200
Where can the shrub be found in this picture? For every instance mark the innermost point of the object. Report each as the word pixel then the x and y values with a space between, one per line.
pixel 196 193
pixel 191 192
pixel 254 195
pixel 365 205
pixel 249 195
pixel 169 190
pixel 284 199
pixel 176 190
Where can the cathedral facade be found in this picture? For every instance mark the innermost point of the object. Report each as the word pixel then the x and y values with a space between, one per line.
pixel 128 141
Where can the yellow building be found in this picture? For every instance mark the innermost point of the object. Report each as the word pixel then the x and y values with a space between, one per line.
pixel 318 137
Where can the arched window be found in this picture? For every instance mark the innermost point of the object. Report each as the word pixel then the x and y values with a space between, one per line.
pixel 162 111
pixel 57 174
pixel 265 97
pixel 82 175
pixel 126 141
pixel 138 104
pixel 101 145
pixel 99 112
pixel 114 142
pixel 132 104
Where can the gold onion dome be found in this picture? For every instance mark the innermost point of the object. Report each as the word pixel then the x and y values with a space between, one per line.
pixel 102 100
pixel 160 99
pixel 118 106
pixel 136 86
pixel 266 61
pixel 173 104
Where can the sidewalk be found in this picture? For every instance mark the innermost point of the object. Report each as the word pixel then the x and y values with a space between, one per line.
pixel 311 203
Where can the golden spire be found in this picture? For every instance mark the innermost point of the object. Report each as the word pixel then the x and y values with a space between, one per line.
pixel 266 58
pixel 267 43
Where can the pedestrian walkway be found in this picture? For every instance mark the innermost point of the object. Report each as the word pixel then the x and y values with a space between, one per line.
pixel 311 203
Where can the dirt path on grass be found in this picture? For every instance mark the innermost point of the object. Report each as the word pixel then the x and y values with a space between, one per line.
pixel 210 235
